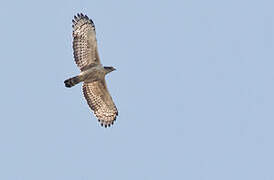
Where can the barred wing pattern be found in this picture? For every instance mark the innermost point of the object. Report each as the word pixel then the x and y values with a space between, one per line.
pixel 100 101
pixel 84 42
pixel 86 56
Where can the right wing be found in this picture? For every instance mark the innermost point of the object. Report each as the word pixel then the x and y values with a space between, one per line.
pixel 84 42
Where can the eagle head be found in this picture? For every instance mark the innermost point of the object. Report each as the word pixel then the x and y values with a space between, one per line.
pixel 109 69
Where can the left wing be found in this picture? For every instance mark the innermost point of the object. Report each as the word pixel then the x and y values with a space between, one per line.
pixel 100 101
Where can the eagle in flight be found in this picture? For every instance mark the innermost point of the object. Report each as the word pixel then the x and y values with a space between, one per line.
pixel 92 72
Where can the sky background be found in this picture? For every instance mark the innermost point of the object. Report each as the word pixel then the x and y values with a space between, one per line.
pixel 194 87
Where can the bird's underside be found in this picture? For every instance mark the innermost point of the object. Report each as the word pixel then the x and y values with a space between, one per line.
pixel 92 72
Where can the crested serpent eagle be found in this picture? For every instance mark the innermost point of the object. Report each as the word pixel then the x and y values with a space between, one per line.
pixel 92 72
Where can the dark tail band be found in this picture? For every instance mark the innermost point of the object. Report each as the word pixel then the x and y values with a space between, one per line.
pixel 72 81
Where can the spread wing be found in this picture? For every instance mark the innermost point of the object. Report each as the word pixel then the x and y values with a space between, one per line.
pixel 100 101
pixel 84 42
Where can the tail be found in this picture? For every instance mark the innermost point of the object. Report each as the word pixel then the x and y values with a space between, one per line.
pixel 72 81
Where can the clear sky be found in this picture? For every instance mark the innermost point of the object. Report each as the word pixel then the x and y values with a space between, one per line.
pixel 194 87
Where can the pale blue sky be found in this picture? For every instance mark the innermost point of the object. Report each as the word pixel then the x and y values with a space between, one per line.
pixel 194 87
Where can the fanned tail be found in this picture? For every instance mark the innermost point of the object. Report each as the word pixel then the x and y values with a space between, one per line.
pixel 72 81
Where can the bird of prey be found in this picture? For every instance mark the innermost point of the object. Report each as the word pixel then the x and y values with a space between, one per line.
pixel 92 72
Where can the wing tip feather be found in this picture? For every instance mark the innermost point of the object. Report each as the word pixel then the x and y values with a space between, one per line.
pixel 106 123
pixel 80 19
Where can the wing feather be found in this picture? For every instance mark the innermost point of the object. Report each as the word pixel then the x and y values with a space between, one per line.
pixel 100 101
pixel 84 42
